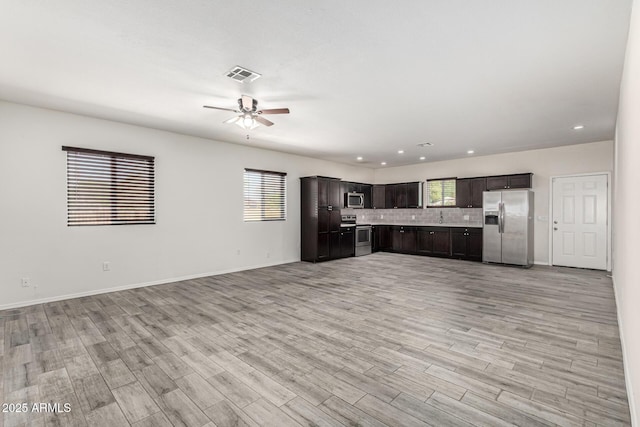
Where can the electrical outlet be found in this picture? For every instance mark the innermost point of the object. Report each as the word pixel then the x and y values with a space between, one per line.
pixel 238 252
pixel 381 216
pixel 268 254
pixel 26 282
pixel 466 217
pixel 413 217
pixel 106 266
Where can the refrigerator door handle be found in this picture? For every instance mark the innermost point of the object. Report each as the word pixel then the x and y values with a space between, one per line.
pixel 501 218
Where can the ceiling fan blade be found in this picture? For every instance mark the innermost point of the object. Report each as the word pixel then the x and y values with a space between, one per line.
pixel 263 121
pixel 232 120
pixel 220 108
pixel 247 103
pixel 274 111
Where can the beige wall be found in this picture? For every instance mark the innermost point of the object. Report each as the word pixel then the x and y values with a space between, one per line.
pixel 572 159
pixel 199 230
pixel 626 223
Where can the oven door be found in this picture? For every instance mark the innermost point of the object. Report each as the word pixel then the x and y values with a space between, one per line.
pixel 363 240
pixel 363 236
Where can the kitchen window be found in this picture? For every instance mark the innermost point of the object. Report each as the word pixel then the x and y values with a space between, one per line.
pixel 107 188
pixel 265 195
pixel 441 192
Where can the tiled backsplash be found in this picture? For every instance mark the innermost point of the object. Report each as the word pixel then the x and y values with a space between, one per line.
pixel 458 216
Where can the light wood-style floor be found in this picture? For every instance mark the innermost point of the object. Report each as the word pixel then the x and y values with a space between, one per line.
pixel 384 339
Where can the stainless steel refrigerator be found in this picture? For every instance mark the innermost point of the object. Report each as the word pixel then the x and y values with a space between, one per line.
pixel 508 227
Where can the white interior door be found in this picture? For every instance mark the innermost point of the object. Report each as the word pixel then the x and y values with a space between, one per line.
pixel 580 209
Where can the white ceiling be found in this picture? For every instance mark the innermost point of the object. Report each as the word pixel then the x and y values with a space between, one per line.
pixel 362 78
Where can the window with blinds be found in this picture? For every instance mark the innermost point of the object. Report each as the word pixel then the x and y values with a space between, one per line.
pixel 106 188
pixel 265 195
pixel 441 192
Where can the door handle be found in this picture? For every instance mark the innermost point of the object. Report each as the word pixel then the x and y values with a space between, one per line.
pixel 555 228
pixel 555 222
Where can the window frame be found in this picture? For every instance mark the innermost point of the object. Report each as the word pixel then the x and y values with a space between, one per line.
pixel 443 181
pixel 264 187
pixel 127 195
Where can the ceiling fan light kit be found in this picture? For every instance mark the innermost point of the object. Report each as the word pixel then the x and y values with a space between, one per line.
pixel 247 122
pixel 250 116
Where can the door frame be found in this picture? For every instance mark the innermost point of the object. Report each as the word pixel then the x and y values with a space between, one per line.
pixel 609 218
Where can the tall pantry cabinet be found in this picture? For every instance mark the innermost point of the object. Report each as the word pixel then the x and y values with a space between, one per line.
pixel 320 201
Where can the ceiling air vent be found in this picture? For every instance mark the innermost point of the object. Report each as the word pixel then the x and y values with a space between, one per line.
pixel 425 144
pixel 241 75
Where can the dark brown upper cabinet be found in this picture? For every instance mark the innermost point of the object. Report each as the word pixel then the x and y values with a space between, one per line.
pixel 469 192
pixel 403 195
pixel 390 196
pixel 378 197
pixel 501 182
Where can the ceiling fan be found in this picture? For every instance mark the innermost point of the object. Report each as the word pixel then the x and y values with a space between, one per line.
pixel 250 117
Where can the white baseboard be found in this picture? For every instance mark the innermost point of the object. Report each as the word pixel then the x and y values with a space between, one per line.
pixel 137 285
pixel 541 263
pixel 625 362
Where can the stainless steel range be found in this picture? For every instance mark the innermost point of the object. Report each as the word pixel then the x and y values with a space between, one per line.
pixel 363 235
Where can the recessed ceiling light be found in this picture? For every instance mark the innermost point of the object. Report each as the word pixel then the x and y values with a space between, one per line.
pixel 578 127
pixel 359 158
pixel 422 157
pixel 383 163
pixel 470 152
pixel 400 151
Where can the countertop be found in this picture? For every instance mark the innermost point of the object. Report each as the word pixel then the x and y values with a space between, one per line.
pixel 425 224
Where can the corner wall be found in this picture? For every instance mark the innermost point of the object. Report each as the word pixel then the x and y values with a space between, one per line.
pixel 544 163
pixel 199 205
pixel 626 231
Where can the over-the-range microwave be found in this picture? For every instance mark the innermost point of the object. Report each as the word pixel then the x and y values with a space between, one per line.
pixel 354 200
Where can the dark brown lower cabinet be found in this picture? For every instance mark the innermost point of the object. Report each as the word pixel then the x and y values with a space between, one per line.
pixel 434 241
pixel 347 242
pixel 466 243
pixel 396 239
pixel 403 239
pixel 447 242
pixel 409 240
pixel 381 238
pixel 475 244
pixel 335 251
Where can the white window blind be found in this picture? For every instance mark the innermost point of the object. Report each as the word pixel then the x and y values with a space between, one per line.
pixel 265 195
pixel 441 192
pixel 107 188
